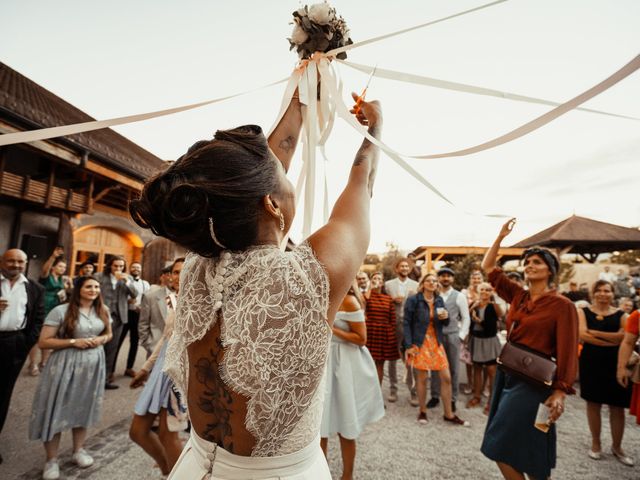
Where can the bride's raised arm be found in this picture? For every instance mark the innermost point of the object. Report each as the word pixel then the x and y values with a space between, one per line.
pixel 284 139
pixel 342 243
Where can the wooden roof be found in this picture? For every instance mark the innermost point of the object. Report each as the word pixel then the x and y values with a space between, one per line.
pixel 31 106
pixel 585 235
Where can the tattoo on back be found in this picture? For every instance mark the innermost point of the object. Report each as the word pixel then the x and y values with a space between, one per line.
pixel 286 144
pixel 215 399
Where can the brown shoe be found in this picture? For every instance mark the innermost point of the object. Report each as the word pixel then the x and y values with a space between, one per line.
pixel 457 421
pixel 473 402
pixel 130 372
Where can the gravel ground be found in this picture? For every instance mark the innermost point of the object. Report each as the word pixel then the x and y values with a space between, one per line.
pixel 396 447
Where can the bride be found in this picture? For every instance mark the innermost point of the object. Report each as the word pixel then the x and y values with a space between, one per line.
pixel 253 323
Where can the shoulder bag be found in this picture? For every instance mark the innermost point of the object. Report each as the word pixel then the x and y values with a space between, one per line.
pixel 531 366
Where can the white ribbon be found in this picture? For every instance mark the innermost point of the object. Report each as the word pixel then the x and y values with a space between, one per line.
pixel 336 51
pixel 342 111
pixel 52 132
pixel 466 88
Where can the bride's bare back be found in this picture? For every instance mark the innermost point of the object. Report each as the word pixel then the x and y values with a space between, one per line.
pixel 217 413
pixel 251 341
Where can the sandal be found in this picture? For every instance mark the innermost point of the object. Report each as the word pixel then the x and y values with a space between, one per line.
pixel 486 409
pixel 474 402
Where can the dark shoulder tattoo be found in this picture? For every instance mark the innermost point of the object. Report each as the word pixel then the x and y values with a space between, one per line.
pixel 215 399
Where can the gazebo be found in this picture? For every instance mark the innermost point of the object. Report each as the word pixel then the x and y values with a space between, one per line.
pixel 433 254
pixel 585 237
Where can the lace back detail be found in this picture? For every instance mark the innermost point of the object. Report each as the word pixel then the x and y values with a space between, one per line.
pixel 199 301
pixel 274 333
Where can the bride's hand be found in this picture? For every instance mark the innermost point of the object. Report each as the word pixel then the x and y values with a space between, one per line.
pixel 367 113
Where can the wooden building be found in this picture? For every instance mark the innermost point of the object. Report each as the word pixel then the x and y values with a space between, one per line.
pixel 431 255
pixel 71 191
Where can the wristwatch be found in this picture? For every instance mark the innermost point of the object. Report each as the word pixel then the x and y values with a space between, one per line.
pixel 72 341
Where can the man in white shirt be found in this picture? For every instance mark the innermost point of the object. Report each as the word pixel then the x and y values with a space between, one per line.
pixel 133 315
pixel 399 289
pixel 21 317
pixel 607 275
pixel 363 281
pixel 454 333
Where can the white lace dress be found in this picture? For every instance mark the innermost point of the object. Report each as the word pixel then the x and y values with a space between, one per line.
pixel 276 338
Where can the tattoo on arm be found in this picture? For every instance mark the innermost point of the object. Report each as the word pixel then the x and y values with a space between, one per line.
pixel 367 148
pixel 215 400
pixel 369 151
pixel 287 144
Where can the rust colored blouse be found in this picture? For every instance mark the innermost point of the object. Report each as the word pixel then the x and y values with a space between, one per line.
pixel 549 325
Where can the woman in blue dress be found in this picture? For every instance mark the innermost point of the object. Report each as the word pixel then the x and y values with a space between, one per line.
pixel 353 397
pixel 71 387
pixel 159 399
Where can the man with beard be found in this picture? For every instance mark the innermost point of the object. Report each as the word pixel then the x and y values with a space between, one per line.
pixel 454 333
pixel 21 317
pixel 399 289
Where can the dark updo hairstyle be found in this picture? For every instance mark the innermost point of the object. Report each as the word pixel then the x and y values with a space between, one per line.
pixel 224 179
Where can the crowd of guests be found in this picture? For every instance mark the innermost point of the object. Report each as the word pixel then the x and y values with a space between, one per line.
pixel 426 323
pixel 71 331
pixel 435 328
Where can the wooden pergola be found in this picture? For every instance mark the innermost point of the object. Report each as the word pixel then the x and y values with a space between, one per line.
pixel 585 237
pixel 432 254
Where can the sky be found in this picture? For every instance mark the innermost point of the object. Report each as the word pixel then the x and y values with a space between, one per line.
pixel 120 57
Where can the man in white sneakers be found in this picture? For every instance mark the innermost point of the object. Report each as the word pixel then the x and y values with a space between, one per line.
pixel 454 333
pixel 399 289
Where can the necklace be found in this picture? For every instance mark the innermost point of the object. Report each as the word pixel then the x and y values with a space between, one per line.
pixel 599 316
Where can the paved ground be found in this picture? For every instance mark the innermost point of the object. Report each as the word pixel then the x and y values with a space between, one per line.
pixel 396 447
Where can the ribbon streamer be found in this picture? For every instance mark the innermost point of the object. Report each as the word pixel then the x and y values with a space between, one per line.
pixel 542 120
pixel 52 132
pixel 343 112
pixel 466 88
pixel 336 51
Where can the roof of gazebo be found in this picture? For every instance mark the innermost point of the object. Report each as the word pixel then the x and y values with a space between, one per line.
pixel 585 235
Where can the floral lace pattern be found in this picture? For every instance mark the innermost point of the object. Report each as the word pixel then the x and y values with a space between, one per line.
pixel 273 307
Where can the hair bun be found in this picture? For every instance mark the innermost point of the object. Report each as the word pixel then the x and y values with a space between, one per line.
pixel 185 203
pixel 232 135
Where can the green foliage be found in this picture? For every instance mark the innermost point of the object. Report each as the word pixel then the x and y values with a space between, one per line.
pixel 630 257
pixel 388 262
pixel 372 259
pixel 566 272
pixel 463 269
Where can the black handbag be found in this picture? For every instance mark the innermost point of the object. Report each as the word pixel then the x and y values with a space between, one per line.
pixel 531 366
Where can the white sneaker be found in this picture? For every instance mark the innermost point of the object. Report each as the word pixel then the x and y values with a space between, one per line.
pixel 82 458
pixel 51 470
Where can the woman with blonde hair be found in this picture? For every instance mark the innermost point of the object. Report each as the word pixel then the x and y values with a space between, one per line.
pixel 484 343
pixel 424 317
pixel 71 387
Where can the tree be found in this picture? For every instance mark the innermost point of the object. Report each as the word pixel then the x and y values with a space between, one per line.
pixel 566 272
pixel 463 268
pixel 630 257
pixel 387 264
